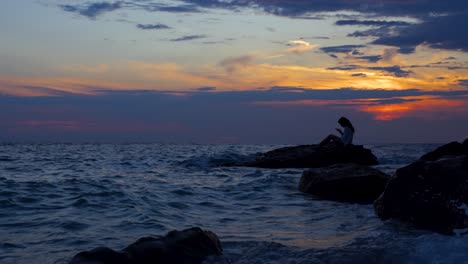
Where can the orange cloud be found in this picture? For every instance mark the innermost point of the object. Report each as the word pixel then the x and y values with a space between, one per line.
pixel 237 73
pixel 420 106
pixel 425 107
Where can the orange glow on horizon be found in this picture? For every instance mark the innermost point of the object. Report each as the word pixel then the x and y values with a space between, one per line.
pixel 414 106
pixel 138 75
pixel 424 107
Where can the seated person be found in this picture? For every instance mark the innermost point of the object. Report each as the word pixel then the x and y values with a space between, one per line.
pixel 346 134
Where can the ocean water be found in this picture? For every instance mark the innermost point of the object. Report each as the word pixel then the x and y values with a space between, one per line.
pixel 59 199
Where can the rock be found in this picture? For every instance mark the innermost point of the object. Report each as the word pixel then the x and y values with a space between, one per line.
pixel 344 182
pixel 187 246
pixel 313 156
pixel 465 145
pixel 450 149
pixel 428 194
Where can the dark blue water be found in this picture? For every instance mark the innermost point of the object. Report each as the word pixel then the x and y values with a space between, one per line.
pixel 59 199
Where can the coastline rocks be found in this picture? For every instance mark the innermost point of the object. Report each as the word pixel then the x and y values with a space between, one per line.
pixel 450 149
pixel 187 246
pixel 465 144
pixel 344 182
pixel 428 194
pixel 313 156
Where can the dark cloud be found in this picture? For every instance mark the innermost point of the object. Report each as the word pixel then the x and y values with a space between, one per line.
pixel 393 70
pixel 346 68
pixel 92 10
pixel 396 71
pixel 373 23
pixel 178 9
pixel 152 26
pixel 359 75
pixel 445 32
pixel 187 38
pixel 442 23
pixel 405 49
pixel 371 58
pixel 373 32
pixel 457 68
pixel 206 89
pixel 304 8
pixel 463 82
pixel 342 49
pixel 200 116
pixel 439 65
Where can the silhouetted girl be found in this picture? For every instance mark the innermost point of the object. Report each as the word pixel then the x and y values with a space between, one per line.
pixel 346 134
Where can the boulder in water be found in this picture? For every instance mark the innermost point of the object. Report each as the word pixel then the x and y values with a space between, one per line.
pixel 189 246
pixel 450 149
pixel 429 194
pixel 344 182
pixel 313 156
pixel 465 145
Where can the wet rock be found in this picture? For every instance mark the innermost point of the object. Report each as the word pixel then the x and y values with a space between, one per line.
pixel 187 246
pixel 313 156
pixel 450 149
pixel 344 182
pixel 465 145
pixel 429 194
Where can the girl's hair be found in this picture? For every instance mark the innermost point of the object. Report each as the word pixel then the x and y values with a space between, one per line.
pixel 344 122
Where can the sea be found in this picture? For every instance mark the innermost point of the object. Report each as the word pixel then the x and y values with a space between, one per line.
pixel 59 199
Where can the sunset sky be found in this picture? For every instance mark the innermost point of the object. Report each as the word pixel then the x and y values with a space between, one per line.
pixel 233 71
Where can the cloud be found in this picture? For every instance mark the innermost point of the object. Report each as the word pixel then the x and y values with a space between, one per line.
pixel 442 32
pixel 299 46
pixel 373 23
pixel 441 25
pixel 395 70
pixel 234 64
pixel 206 89
pixel 346 67
pixel 359 75
pixel 175 9
pixel 373 32
pixel 296 43
pixel 371 58
pixel 152 26
pixel 305 8
pixel 287 114
pixel 189 37
pixel 463 82
pixel 92 10
pixel 342 49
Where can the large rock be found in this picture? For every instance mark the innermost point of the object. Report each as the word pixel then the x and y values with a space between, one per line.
pixel 465 145
pixel 450 149
pixel 189 246
pixel 344 182
pixel 429 194
pixel 313 156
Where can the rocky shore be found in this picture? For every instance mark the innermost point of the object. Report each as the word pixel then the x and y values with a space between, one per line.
pixel 190 246
pixel 312 156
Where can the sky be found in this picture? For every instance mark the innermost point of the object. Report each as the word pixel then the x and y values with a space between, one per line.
pixel 233 71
